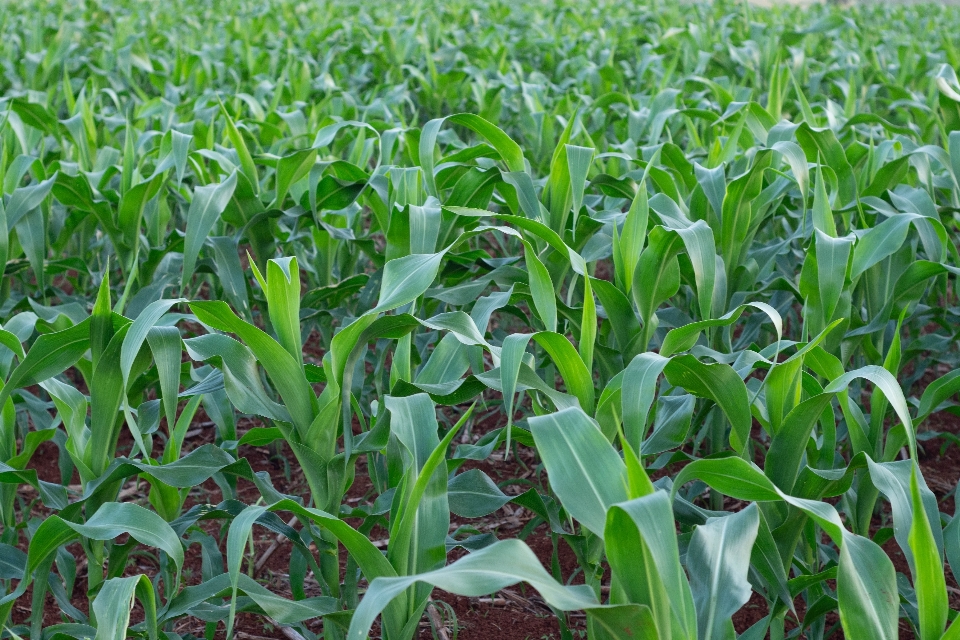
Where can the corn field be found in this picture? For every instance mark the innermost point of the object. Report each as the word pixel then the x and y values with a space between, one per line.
pixel 615 320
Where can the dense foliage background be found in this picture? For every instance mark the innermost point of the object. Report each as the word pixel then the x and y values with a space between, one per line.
pixel 309 307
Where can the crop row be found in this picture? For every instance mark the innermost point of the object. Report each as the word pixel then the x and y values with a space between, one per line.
pixel 700 261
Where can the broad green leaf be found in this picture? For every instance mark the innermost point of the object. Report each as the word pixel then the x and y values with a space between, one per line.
pixel 632 238
pixel 622 622
pixel 579 160
pixel 237 538
pixel 511 357
pixel 116 518
pixel 290 169
pixel 639 387
pixel 280 609
pixel 287 375
pixel 241 376
pixel 138 333
pixel 207 205
pixel 167 349
pixel 719 383
pixel 683 338
pixel 895 481
pixel 585 471
pixel 472 494
pixel 115 600
pixel 541 287
pixel 833 255
pixel 866 590
pixel 575 374
pixel 247 166
pixel 405 279
pixel 732 476
pixel 26 199
pixel 419 525
pixel 488 570
pixel 884 381
pixel 282 287
pixel 50 354
pixel 822 214
pixel 929 580
pixel 641 545
pixel 718 559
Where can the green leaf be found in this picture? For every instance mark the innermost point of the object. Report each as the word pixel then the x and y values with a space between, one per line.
pixel 472 494
pixel 641 545
pixel 167 348
pixel 638 391
pixel 277 608
pixel 937 392
pixel 107 390
pixel 282 287
pixel 230 273
pixel 241 375
pixel 895 481
pixel 482 572
pixel 632 239
pixel 246 160
pixel 208 203
pixel 866 590
pixel 683 338
pixel 880 242
pixel 820 144
pixel 290 169
pixel 541 288
pixel 731 476
pixel 422 517
pixel 575 374
pixel 884 381
pixel 822 214
pixel 511 357
pixel 50 354
pixel 114 601
pixel 237 538
pixel 406 279
pixel 738 216
pixel 26 199
pixel 833 256
pixel 585 471
pixel 588 327
pixel 622 622
pixel 929 579
pixel 285 372
pixel 718 559
pixel 717 382
pixel 656 279
pixel 787 448
pixel 116 518
pixel 621 316
pixel 579 160
pixel 132 204
pixel 137 334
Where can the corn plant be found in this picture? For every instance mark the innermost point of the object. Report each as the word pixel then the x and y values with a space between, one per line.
pixel 713 245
